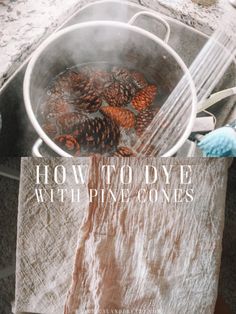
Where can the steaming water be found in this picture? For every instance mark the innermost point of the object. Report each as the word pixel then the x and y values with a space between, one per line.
pixel 128 136
pixel 209 66
pixel 169 125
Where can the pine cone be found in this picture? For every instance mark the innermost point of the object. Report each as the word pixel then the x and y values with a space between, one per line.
pixel 120 74
pixel 98 77
pixel 88 103
pixel 55 106
pixel 117 94
pixel 144 97
pixel 78 90
pixel 67 83
pixel 97 135
pixel 50 128
pixel 68 143
pixel 101 79
pixel 143 120
pixel 87 98
pixel 123 76
pixel 64 124
pixel 67 123
pixel 131 89
pixel 138 80
pixel 123 151
pixel 123 117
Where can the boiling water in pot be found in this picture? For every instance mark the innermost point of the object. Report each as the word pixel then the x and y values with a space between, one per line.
pixel 99 108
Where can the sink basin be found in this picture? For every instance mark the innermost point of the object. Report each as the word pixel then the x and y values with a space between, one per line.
pixel 17 135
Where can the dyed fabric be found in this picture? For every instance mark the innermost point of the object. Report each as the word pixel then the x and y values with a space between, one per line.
pixel 105 254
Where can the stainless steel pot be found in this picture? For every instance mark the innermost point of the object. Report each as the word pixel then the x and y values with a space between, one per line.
pixel 114 43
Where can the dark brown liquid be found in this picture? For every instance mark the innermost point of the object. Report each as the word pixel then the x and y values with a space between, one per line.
pixel 97 108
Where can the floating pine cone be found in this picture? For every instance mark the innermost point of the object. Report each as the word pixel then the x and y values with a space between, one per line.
pixel 121 74
pixel 123 117
pixel 98 77
pixel 131 90
pixel 97 135
pixel 68 82
pixel 89 103
pixel 144 97
pixel 55 106
pixel 77 90
pixel 67 122
pixel 87 98
pixel 143 120
pixel 123 151
pixel 138 80
pixel 68 143
pixel 77 80
pixel 64 124
pixel 50 128
pixel 101 79
pixel 117 94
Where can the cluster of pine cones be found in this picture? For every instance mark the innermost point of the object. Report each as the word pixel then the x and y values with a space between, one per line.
pixel 123 99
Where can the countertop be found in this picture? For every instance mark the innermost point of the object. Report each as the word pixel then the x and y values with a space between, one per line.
pixel 24 24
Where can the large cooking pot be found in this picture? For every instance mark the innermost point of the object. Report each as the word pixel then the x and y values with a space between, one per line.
pixel 114 43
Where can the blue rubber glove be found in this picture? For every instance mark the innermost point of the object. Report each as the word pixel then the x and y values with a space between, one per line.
pixel 219 143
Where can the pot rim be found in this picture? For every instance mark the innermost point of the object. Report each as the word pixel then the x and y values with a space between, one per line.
pixel 53 37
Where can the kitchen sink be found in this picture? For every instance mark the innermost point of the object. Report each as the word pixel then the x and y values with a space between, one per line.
pixel 17 135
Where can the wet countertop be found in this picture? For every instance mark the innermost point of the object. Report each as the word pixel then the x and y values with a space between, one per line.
pixel 24 24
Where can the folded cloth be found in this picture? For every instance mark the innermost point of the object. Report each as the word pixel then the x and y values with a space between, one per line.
pixel 109 255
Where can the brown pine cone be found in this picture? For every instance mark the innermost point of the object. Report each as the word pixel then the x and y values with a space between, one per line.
pixel 101 79
pixel 55 106
pixel 50 128
pixel 68 143
pixel 87 98
pixel 78 90
pixel 98 77
pixel 120 74
pixel 138 80
pixel 99 135
pixel 67 123
pixel 64 124
pixel 123 151
pixel 131 89
pixel 88 103
pixel 123 76
pixel 123 117
pixel 117 94
pixel 67 83
pixel 143 119
pixel 144 97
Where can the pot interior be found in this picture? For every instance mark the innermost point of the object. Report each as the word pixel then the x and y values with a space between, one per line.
pixel 110 43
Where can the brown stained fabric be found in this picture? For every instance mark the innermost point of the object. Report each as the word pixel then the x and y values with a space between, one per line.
pixel 151 258
pixel 79 269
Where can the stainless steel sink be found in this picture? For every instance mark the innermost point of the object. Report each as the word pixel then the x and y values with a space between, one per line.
pixel 17 136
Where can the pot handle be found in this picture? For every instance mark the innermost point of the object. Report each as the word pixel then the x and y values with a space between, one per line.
pixel 214 98
pixel 35 148
pixel 157 17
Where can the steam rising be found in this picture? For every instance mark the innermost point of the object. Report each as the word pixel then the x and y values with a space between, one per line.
pixel 114 44
pixel 118 45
